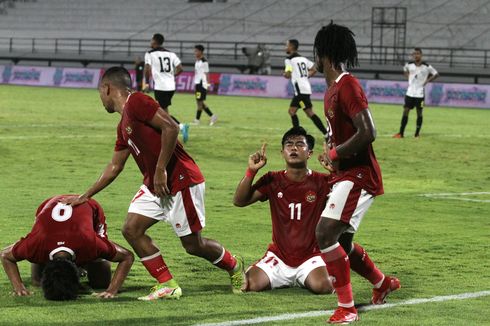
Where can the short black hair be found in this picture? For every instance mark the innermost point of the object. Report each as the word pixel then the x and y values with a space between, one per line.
pixel 337 43
pixel 418 49
pixel 294 43
pixel 158 38
pixel 199 47
pixel 60 280
pixel 118 76
pixel 299 131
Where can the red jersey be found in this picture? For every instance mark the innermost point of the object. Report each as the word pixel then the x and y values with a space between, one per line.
pixel 296 208
pixel 343 101
pixel 136 134
pixel 80 230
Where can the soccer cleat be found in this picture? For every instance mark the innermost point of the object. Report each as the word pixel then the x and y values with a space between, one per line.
pixel 185 132
pixel 213 120
pixel 343 316
pixel 398 135
pixel 238 277
pixel 196 122
pixel 389 285
pixel 163 291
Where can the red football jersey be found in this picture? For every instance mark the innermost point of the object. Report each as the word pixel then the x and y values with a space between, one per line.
pixel 343 101
pixel 136 134
pixel 296 208
pixel 80 230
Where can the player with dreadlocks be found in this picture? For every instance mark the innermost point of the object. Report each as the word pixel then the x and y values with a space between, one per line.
pixel 357 179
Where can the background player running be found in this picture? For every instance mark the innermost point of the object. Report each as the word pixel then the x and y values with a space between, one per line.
pixel 201 81
pixel 299 69
pixel 419 74
pixel 297 197
pixel 62 238
pixel 356 173
pixel 172 190
pixel 163 65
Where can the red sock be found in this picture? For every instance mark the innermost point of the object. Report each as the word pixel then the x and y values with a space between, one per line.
pixel 156 267
pixel 338 266
pixel 226 261
pixel 364 266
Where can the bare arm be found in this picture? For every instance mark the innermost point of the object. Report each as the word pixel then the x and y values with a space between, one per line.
pixel 287 74
pixel 147 73
pixel 406 74
pixel 125 258
pixel 431 78
pixel 112 170
pixel 12 270
pixel 311 72
pixel 178 70
pixel 244 194
pixel 170 131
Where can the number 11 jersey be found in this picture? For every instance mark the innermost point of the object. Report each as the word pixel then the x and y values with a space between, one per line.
pixel 163 63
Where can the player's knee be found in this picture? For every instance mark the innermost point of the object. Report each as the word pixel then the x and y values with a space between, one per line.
pixel 130 232
pixel 309 112
pixel 292 111
pixel 193 248
pixel 323 286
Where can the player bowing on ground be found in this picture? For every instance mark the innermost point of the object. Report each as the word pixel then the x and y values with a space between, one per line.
pixel 163 65
pixel 297 197
pixel 62 238
pixel 356 173
pixel 172 190
pixel 299 69
pixel 419 74
pixel 201 80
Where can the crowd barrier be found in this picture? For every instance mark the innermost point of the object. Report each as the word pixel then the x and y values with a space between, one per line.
pixel 377 91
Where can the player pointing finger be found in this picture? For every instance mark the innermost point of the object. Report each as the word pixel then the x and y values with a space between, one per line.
pixel 258 160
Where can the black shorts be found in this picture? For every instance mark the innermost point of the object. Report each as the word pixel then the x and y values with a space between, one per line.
pixel 201 92
pixel 164 98
pixel 414 102
pixel 301 101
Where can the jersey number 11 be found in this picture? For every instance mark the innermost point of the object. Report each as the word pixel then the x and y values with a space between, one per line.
pixel 295 210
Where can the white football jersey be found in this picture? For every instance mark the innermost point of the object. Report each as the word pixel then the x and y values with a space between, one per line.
pixel 299 66
pixel 417 75
pixel 201 68
pixel 163 63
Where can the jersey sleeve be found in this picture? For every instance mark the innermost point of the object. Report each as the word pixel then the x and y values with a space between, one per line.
pixel 20 250
pixel 147 58
pixel 432 70
pixel 120 143
pixel 263 185
pixel 405 67
pixel 105 248
pixel 352 97
pixel 205 67
pixel 288 66
pixel 100 226
pixel 309 64
pixel 142 107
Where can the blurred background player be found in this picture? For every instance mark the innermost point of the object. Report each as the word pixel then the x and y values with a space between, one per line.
pixel 163 65
pixel 172 190
pixel 299 69
pixel 356 173
pixel 201 80
pixel 296 197
pixel 139 67
pixel 419 74
pixel 62 238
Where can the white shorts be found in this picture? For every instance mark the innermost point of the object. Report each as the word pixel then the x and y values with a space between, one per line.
pixel 184 211
pixel 348 203
pixel 281 275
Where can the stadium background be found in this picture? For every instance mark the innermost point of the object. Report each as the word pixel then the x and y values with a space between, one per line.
pixel 67 44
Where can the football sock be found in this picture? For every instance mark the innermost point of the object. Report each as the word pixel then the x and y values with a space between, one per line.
pixel 198 114
pixel 295 120
pixel 318 123
pixel 364 266
pixel 338 266
pixel 177 121
pixel 156 267
pixel 225 261
pixel 403 124
pixel 208 111
pixel 419 125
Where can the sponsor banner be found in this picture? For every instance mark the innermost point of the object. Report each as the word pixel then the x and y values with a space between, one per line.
pixel 459 95
pixel 76 77
pixel 384 91
pixel 251 85
pixel 184 82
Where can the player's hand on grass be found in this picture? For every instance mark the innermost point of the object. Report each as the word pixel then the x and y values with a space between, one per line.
pixel 324 159
pixel 257 160
pixel 21 291
pixel 160 183
pixel 104 295
pixel 74 200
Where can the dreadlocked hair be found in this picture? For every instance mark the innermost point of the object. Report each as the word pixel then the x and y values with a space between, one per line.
pixel 337 43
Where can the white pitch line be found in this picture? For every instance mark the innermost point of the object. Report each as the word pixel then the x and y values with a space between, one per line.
pixel 50 136
pixel 451 196
pixel 310 314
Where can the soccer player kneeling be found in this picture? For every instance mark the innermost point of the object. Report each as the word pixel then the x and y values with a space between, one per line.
pixel 63 239
pixel 297 197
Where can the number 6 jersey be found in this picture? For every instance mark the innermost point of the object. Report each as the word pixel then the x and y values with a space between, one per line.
pixel 299 66
pixel 79 230
pixel 162 63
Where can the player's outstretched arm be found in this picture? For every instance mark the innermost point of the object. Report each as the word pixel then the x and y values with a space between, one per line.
pixel 170 131
pixel 12 270
pixel 365 135
pixel 112 170
pixel 245 194
pixel 125 258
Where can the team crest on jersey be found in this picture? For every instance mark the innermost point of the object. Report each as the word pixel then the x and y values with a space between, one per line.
pixel 310 196
pixel 330 112
pixel 279 194
pixel 129 130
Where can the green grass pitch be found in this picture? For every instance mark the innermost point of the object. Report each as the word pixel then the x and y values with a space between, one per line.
pixel 56 141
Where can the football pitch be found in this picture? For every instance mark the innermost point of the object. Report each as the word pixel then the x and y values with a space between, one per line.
pixel 431 229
